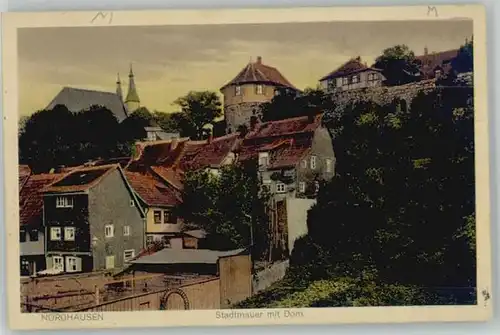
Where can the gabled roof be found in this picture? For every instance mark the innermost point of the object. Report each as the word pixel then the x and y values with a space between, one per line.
pixel 352 66
pixel 257 72
pixel 31 196
pixel 172 176
pixel 435 60
pixel 301 124
pixel 77 99
pixel 81 179
pixel 152 191
pixel 286 141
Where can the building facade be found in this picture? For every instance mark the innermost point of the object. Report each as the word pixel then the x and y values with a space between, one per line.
pixel 255 84
pixel 294 155
pixel 351 75
pixel 93 221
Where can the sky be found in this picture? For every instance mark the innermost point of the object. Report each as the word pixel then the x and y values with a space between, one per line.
pixel 169 61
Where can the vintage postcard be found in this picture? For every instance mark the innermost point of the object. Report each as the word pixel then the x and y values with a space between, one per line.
pixel 246 167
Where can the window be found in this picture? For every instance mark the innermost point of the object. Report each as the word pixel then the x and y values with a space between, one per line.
pixel 302 187
pixel 57 263
pixel 438 73
pixel 149 240
pixel 33 235
pixel 128 255
pixel 260 89
pixel 151 136
pixel 132 203
pixel 69 233
pixel 316 186
pixel 55 233
pixel 22 236
pixel 280 188
pixel 372 77
pixel 64 202
pixel 304 163
pixel 328 164
pixel 313 162
pixel 126 230
pixel 263 158
pixel 345 81
pixel 157 217
pixel 109 230
pixel 355 79
pixel 237 90
pixel 71 264
pixel 276 92
pixel 332 83
pixel 110 262
pixel 168 217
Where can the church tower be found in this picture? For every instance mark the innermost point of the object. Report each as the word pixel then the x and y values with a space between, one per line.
pixel 132 101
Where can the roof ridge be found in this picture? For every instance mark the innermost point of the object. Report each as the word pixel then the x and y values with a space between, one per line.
pixel 87 90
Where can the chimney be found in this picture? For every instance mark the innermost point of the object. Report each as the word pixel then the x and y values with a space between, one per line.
pixel 174 143
pixel 259 60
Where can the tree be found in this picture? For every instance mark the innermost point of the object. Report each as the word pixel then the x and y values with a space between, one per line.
pixel 229 206
pixel 133 126
pixel 399 65
pixel 198 109
pixel 59 137
pixel 165 121
pixel 402 203
pixel 289 104
pixel 464 62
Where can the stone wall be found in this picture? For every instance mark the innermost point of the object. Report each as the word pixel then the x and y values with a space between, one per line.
pixel 265 278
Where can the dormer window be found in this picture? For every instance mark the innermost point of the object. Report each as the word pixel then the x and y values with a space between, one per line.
pixel 64 202
pixel 372 77
pixel 237 90
pixel 263 158
pixel 259 89
pixel 345 81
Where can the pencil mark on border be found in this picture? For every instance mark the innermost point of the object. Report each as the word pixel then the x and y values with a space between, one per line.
pixel 103 16
pixel 431 9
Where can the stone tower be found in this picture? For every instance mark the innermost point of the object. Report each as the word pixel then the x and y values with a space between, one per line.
pixel 254 85
pixel 132 100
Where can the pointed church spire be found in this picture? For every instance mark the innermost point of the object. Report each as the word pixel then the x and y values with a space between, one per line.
pixel 132 101
pixel 119 86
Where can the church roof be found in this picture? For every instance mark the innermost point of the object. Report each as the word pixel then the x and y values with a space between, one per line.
pixel 77 99
pixel 132 95
pixel 257 72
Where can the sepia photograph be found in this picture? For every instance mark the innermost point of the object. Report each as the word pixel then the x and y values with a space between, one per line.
pixel 238 167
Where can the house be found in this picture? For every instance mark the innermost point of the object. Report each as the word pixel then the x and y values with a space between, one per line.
pixel 255 84
pixel 294 156
pixel 78 99
pixel 93 220
pixel 31 229
pixel 436 64
pixel 353 74
pixel 158 199
pixel 158 134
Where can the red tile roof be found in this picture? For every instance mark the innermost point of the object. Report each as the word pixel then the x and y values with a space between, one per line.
pixel 352 66
pixel 151 190
pixel 287 141
pixel 31 197
pixel 301 124
pixel 256 72
pixel 171 175
pixel 24 174
pixel 81 179
pixel 434 60
pixel 202 154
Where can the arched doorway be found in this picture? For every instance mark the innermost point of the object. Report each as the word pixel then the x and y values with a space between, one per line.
pixel 178 292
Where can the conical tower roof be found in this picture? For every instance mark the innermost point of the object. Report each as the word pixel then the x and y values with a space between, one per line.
pixel 132 95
